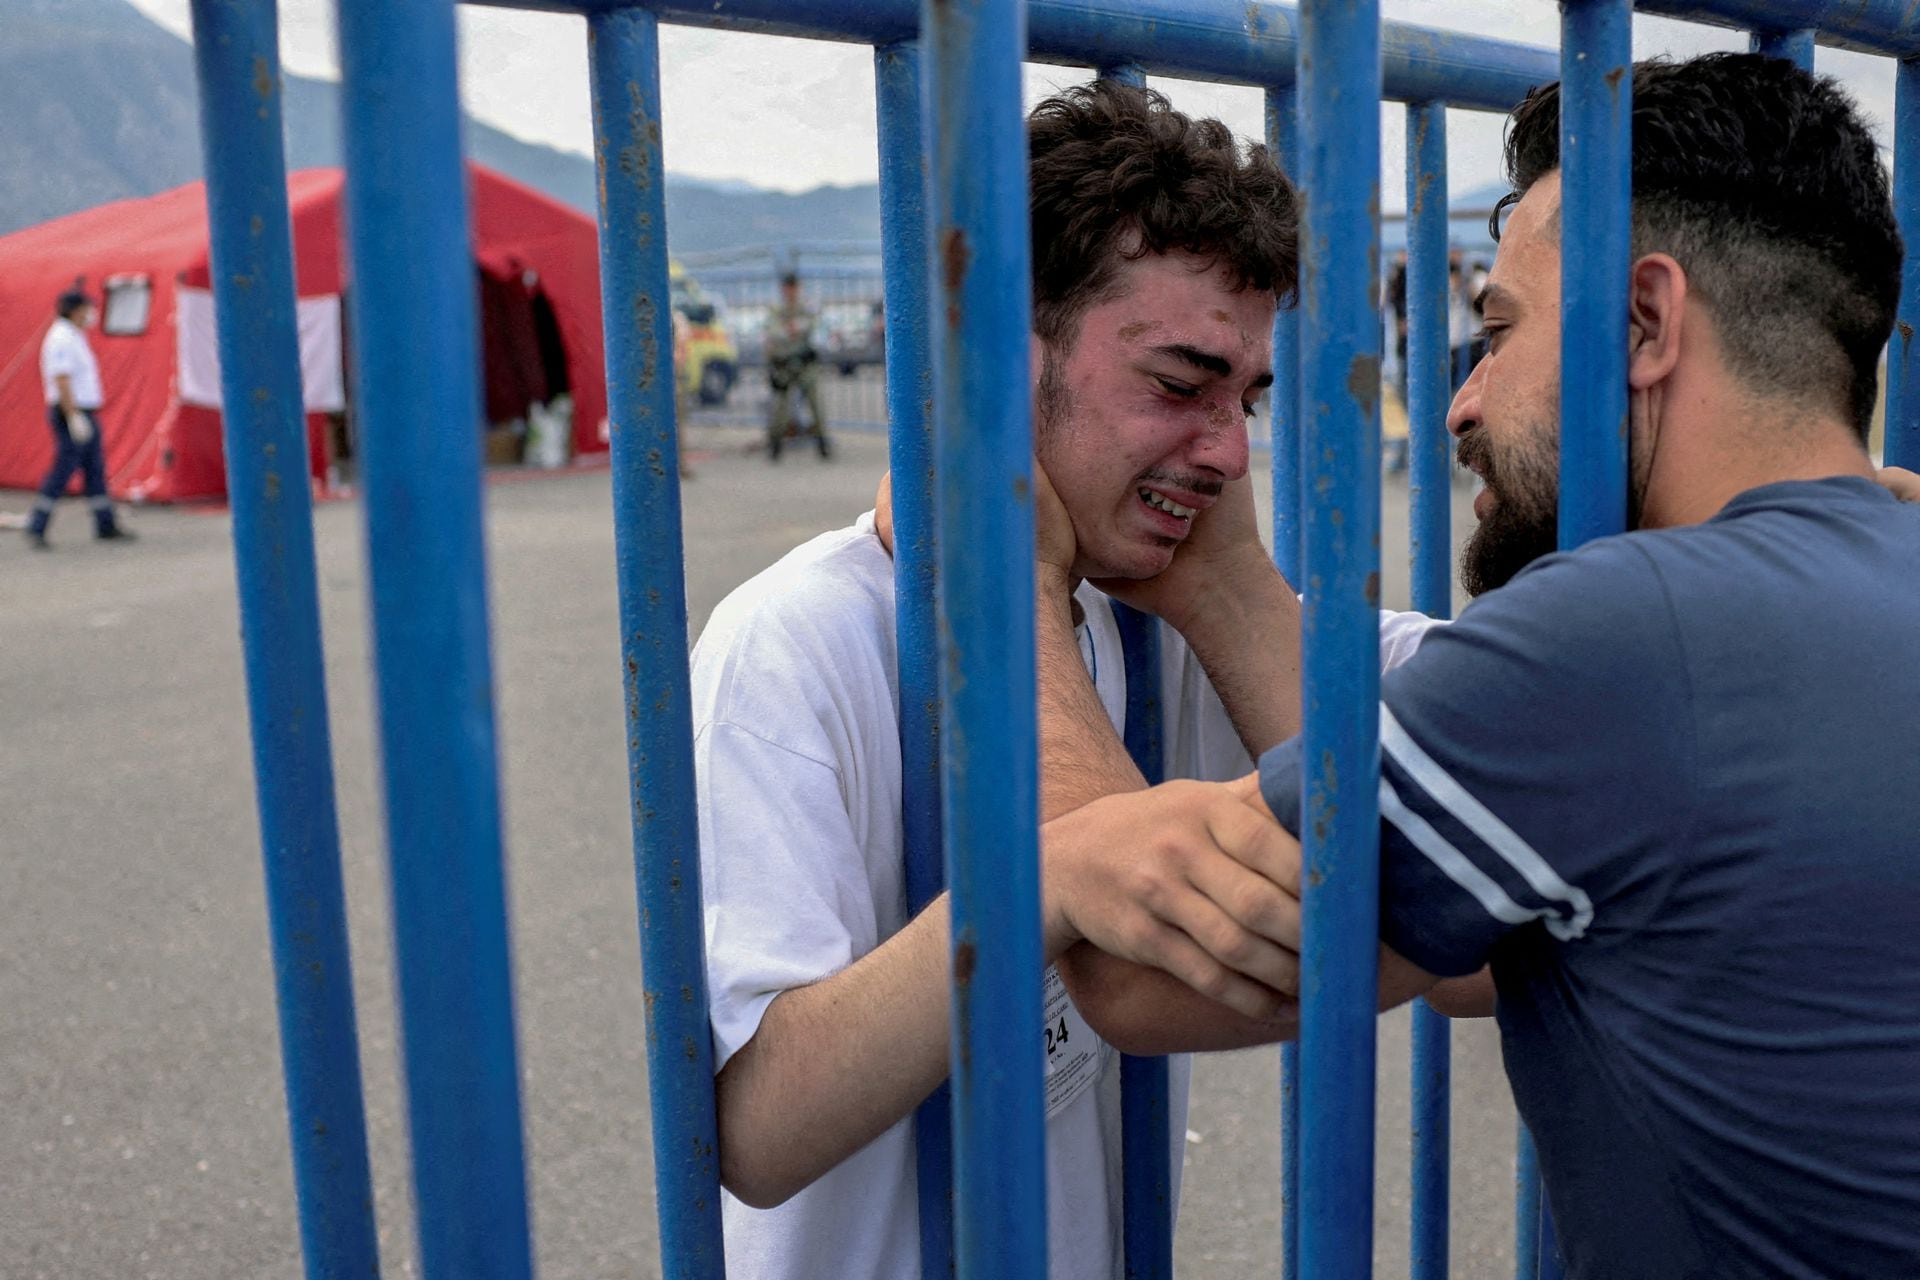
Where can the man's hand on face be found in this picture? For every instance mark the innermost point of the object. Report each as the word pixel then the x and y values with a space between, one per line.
pixel 1900 482
pixel 1055 547
pixel 1194 878
pixel 1224 541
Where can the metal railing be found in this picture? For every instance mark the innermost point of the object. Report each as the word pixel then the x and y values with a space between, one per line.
pixel 955 273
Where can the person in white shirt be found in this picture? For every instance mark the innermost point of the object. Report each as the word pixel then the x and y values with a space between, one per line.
pixel 1161 249
pixel 70 377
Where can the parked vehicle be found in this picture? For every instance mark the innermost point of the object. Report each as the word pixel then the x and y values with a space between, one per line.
pixel 853 334
pixel 705 359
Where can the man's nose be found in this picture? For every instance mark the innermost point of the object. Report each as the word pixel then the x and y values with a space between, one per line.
pixel 1223 448
pixel 1464 413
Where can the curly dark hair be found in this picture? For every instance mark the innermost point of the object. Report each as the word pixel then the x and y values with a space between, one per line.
pixel 1117 174
pixel 1765 185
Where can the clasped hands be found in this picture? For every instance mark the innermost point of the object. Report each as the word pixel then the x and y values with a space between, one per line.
pixel 1195 879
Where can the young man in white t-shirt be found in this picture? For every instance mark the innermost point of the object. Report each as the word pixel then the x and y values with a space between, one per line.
pixel 1161 248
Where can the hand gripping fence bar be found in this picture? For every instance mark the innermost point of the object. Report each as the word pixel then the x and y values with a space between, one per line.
pixel 955 263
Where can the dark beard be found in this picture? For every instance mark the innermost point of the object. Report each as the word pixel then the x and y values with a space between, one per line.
pixel 1525 523
pixel 1505 543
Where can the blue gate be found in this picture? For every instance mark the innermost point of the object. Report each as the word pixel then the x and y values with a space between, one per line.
pixel 955 265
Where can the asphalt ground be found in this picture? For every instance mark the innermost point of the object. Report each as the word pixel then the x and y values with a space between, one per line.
pixel 144 1129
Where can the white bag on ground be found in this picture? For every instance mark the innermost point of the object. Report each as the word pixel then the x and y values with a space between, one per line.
pixel 550 432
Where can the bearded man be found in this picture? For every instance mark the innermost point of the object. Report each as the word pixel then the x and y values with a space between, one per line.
pixel 1665 784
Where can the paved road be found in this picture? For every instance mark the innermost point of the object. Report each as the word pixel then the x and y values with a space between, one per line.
pixel 144 1128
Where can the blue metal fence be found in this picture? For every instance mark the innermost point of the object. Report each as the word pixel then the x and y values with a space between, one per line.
pixel 955 266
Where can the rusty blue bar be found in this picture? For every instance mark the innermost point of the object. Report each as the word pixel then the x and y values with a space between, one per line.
pixel 1596 112
pixel 1869 26
pixel 237 56
pixel 1283 400
pixel 1252 44
pixel 1526 1208
pixel 1340 452
pixel 1430 497
pixel 1145 1135
pixel 1550 1267
pixel 1903 360
pixel 1283 405
pixel 1429 383
pixel 904 270
pixel 1794 46
pixel 983 434
pixel 416 358
pixel 624 64
pixel 1596 104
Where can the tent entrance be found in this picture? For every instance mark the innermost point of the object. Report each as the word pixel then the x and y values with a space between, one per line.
pixel 527 395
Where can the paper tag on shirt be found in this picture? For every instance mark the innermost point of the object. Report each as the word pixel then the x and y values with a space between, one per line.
pixel 1074 1053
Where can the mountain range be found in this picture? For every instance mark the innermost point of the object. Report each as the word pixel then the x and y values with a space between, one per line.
pixel 97 103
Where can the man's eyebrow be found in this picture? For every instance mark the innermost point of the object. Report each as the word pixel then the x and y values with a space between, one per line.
pixel 1493 293
pixel 1217 365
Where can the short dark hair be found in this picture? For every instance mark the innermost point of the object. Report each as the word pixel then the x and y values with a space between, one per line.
pixel 1765 185
pixel 1116 174
pixel 71 301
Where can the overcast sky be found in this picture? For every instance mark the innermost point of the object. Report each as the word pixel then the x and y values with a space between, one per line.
pixel 794 114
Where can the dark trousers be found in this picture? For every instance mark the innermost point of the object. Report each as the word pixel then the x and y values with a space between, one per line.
pixel 68 457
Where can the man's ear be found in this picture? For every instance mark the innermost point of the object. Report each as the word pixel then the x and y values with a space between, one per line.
pixel 1656 311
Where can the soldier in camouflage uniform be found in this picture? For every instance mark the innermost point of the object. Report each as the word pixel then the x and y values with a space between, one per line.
pixel 793 366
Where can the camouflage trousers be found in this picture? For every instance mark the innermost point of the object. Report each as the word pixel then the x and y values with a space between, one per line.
pixel 790 379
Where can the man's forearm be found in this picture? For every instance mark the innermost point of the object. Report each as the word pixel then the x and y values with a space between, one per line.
pixel 838 1062
pixel 1148 1011
pixel 810 1089
pixel 1248 642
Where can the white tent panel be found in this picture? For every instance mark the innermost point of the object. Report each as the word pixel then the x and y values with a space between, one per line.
pixel 322 383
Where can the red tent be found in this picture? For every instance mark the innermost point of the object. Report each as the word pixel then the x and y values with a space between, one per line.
pixel 539 290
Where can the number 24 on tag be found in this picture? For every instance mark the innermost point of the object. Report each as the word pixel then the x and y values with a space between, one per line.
pixel 1056 1037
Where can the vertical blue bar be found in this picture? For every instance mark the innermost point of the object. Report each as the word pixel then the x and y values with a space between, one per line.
pixel 1596 163
pixel 416 355
pixel 904 270
pixel 1283 140
pixel 983 442
pixel 1430 494
pixel 1290 1160
pixel 1794 46
pixel 1125 73
pixel 624 63
pixel 1596 108
pixel 236 52
pixel 1526 1208
pixel 1146 1136
pixel 1432 1141
pixel 1903 359
pixel 1550 1267
pixel 1429 384
pixel 1283 403
pixel 1340 630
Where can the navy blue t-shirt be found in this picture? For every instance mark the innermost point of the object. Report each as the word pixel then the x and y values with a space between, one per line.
pixel 1669 786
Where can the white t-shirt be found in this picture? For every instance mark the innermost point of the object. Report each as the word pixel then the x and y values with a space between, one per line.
pixel 797 758
pixel 66 350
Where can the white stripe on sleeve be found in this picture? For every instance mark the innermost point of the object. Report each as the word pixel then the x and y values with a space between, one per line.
pixel 1498 836
pixel 1457 865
